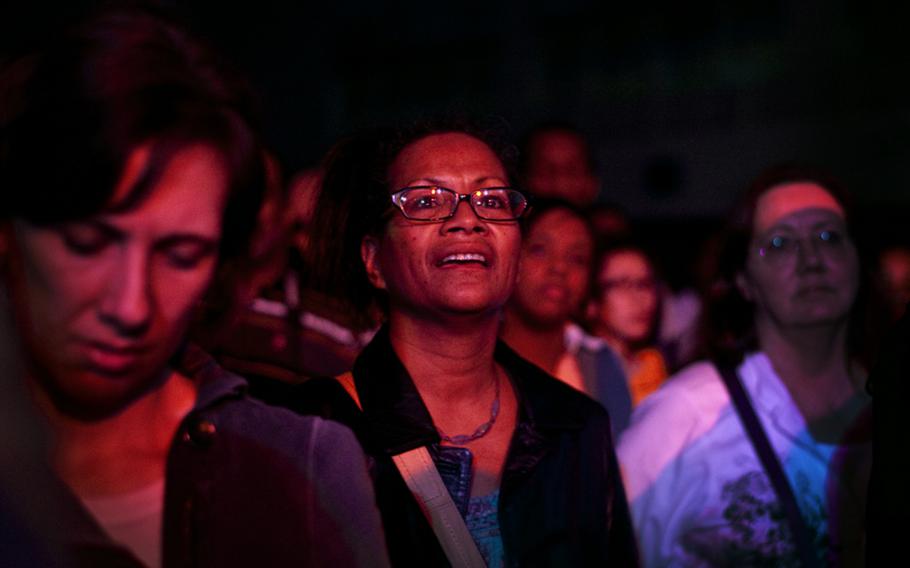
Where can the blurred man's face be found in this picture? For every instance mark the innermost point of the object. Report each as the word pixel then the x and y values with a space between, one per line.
pixel 895 274
pixel 103 302
pixel 558 166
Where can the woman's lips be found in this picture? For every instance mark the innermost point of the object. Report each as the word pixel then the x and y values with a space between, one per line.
pixel 557 293
pixel 112 360
pixel 814 289
pixel 463 259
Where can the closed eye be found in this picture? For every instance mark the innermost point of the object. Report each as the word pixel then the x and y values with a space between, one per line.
pixel 187 252
pixel 87 238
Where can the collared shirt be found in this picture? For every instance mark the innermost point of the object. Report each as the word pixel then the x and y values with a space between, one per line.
pixel 602 374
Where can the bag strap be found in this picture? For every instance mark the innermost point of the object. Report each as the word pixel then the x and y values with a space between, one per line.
pixel 422 478
pixel 771 463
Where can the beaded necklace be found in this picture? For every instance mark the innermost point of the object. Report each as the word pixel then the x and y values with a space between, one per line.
pixel 480 431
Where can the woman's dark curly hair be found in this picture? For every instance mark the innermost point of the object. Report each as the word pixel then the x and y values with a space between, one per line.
pixel 71 115
pixel 354 202
pixel 728 326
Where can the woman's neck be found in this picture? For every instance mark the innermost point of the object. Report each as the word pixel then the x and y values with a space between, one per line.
pixel 123 452
pixel 543 346
pixel 447 359
pixel 813 364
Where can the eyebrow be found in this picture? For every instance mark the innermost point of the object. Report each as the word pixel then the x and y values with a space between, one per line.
pixel 181 238
pixel 171 239
pixel 437 182
pixel 821 223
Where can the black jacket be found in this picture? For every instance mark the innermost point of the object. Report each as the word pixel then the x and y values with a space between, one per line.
pixel 561 500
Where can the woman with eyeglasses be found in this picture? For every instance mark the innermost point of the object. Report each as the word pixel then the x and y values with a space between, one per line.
pixel 423 224
pixel 131 175
pixel 761 456
pixel 623 311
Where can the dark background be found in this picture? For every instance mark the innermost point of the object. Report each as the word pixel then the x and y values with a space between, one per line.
pixel 684 102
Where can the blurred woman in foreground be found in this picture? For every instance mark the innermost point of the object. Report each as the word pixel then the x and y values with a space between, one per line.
pixel 131 179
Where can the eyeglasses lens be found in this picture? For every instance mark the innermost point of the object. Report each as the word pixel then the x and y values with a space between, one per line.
pixel 434 203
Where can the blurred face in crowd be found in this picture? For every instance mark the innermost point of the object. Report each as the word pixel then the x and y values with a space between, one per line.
pixel 104 302
pixel 460 265
pixel 555 267
pixel 302 195
pixel 627 305
pixel 558 166
pixel 895 274
pixel 802 268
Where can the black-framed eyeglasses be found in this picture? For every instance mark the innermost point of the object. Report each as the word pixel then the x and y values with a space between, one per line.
pixel 435 203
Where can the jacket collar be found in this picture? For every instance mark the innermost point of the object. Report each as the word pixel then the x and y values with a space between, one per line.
pixel 397 419
pixel 212 381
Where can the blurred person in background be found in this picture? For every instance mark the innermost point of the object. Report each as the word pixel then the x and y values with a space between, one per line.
pixel 888 507
pixel 610 223
pixel 894 274
pixel 624 312
pixel 557 162
pixel 554 274
pixel 286 332
pixel 132 176
pixel 761 457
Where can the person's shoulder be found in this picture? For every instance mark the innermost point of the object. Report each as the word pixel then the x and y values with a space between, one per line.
pixel 692 394
pixel 683 409
pixel 303 437
pixel 696 382
pixel 252 415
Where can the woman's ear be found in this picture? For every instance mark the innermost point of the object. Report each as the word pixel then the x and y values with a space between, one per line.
pixel 744 286
pixel 369 252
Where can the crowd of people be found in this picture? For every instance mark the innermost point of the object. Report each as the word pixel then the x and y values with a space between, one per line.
pixel 434 348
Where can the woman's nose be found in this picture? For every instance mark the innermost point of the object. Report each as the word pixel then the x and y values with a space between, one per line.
pixel 809 255
pixel 464 218
pixel 127 304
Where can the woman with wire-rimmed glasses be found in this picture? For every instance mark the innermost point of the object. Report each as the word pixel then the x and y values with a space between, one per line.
pixel 423 227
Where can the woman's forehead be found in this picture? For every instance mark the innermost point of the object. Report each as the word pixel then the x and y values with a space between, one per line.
pixel 441 156
pixel 787 198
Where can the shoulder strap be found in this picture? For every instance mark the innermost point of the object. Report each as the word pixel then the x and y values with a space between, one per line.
pixel 769 460
pixel 419 472
pixel 423 479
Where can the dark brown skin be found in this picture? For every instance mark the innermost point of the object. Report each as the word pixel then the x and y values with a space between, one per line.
pixel 444 316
